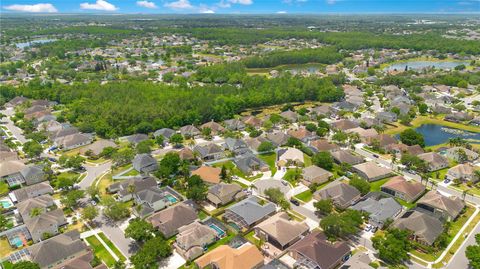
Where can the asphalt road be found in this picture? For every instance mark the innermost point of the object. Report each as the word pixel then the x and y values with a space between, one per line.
pixel 459 260
pixel 16 132
pixel 92 173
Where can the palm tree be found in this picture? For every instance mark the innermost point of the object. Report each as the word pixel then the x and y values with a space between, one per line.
pixel 464 194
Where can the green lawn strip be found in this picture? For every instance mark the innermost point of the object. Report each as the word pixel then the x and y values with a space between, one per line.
pixel 233 169
pixel 250 237
pixel 305 196
pixel 270 159
pixel 112 246
pixel 3 188
pixel 307 160
pixel 118 170
pixel 100 251
pixel 132 172
pixel 202 215
pixel 290 176
pixel 440 174
pixel 223 241
pixel 376 185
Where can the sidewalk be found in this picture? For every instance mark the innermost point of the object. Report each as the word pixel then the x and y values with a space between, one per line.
pixel 95 232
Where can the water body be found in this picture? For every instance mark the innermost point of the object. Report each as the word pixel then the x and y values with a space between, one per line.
pixel 33 42
pixel 419 65
pixel 437 134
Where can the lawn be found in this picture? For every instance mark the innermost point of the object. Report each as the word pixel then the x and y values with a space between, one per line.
pixel 5 248
pixel 440 174
pixel 305 196
pixel 376 185
pixel 270 159
pixel 119 169
pixel 132 172
pixel 103 183
pixel 292 176
pixel 112 246
pixel 69 175
pixel 3 188
pixel 202 215
pixel 251 237
pixel 307 160
pixel 100 251
pixel 223 241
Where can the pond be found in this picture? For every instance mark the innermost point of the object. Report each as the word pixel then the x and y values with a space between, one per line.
pixel 438 134
pixel 419 65
pixel 23 45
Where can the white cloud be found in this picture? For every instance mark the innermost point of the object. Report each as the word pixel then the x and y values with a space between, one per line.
pixel 223 4
pixel 241 2
pixel 42 7
pixel 99 5
pixel 207 11
pixel 281 12
pixel 180 4
pixel 146 4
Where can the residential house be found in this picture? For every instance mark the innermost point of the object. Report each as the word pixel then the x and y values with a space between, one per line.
pixel 10 171
pixel 371 171
pixel 386 117
pixel 465 172
pixel 253 121
pixel 383 141
pixel 31 191
pixel 447 208
pixel 186 154
pixel 461 155
pixel 55 135
pixel 18 100
pixel 127 188
pixel 145 163
pixel 346 156
pixel 237 146
pixel 224 193
pixel 278 138
pixel 248 212
pixel 302 134
pixel 73 141
pixel 324 145
pixel 321 110
pixel 32 174
pixel 192 240
pixel 97 147
pixel 225 257
pixel 344 125
pixel 289 116
pixel 280 231
pixel 254 143
pixel 408 191
pixel 234 124
pixel 165 132
pixel 458 117
pixel 153 199
pixel 46 224
pixel 214 127
pixel 189 131
pixel 315 174
pixel 169 220
pixel 400 149
pixel 341 194
pixel 209 152
pixel 32 207
pixel 7 155
pixel 364 134
pixel 290 156
pixel 249 163
pixel 425 228
pixel 210 175
pixel 379 210
pixel 434 161
pixel 315 251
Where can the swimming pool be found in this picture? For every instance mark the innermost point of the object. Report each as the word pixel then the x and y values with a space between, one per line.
pixel 16 241
pixel 171 198
pixel 217 229
pixel 6 204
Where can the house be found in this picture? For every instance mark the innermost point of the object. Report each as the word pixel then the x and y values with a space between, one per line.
pixel 31 207
pixel 290 156
pixel 97 147
pixel 189 131
pixel 253 121
pixel 344 125
pixel 302 134
pixel 289 116
pixel 153 199
pixel 145 163
pixel 324 145
pixel 65 250
pixel 32 174
pixel 314 251
pixel 408 191
pixel 363 133
pixel 186 154
pixel 379 210
pixel 321 110
pixel 248 212
pixel 458 117
pixel 7 155
pixel 371 171
pixel 45 224
pixel 254 143
pixel 169 220
pixel 425 228
pixel 400 149
pixel 209 152
pixel 461 155
pixel 192 240
pixel 463 171
pixel 214 127
pixel 248 163
pixel 386 117
pixel 136 138
pixel 31 191
pixel 382 140
pixel 224 193
pixel 208 174
pixel 127 188
pixel 18 100
pixel 73 141
pixel 346 156
pixel 447 208
pixel 225 257
pixel 165 132
pixel 236 146
pixel 278 138
pixel 341 194
pixel 234 124
pixel 434 161
pixel 10 171
pixel 315 174
pixel 280 231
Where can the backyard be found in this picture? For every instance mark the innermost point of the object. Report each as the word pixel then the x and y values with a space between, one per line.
pixel 270 159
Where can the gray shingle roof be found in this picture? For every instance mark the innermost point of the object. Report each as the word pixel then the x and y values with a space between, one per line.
pixel 251 211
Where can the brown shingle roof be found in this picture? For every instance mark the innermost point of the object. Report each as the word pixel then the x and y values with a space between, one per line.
pixel 208 174
pixel 410 188
pixel 225 257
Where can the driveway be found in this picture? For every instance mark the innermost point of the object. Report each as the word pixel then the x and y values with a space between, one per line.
pixel 16 132
pixel 92 173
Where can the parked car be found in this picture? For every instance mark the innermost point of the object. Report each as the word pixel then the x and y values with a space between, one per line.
pixel 295 202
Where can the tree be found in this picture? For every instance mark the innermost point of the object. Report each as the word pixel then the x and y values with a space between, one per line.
pixel 32 148
pixel 93 191
pixel 224 174
pixel 65 182
pixel 411 137
pixel 144 146
pixel 176 139
pixel 266 146
pixel 115 210
pixel 149 255
pixel 3 222
pixel 160 140
pixel 341 225
pixel 139 230
pixel 325 206
pixel 70 199
pixel 294 142
pixel 196 188
pixel 36 211
pixel 25 265
pixel 323 159
pixel 276 195
pixel 89 213
pixel 75 162
pixel 360 184
pixel 169 165
pixel 414 163
pixel 123 156
pixel 393 247
pixel 473 253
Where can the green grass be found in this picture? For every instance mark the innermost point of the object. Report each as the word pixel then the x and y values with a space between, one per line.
pixel 250 237
pixel 69 175
pixel 202 215
pixel 132 172
pixel 270 159
pixel 307 161
pixel 438 120
pixel 376 185
pixel 290 176
pixel 3 188
pixel 100 251
pixel 223 241
pixel 305 196
pixel 441 174
pixel 112 247
pixel 404 203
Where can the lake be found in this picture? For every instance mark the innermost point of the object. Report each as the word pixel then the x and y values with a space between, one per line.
pixel 33 42
pixel 419 65
pixel 438 134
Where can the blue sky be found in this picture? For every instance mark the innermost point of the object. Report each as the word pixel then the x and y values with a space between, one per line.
pixel 240 6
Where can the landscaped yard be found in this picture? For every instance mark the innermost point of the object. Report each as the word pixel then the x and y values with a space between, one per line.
pixel 270 159
pixel 3 188
pixel 292 176
pixel 100 251
pixel 307 160
pixel 305 196
pixel 202 215
pixel 376 185
pixel 112 246
pixel 223 241
pixel 5 248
